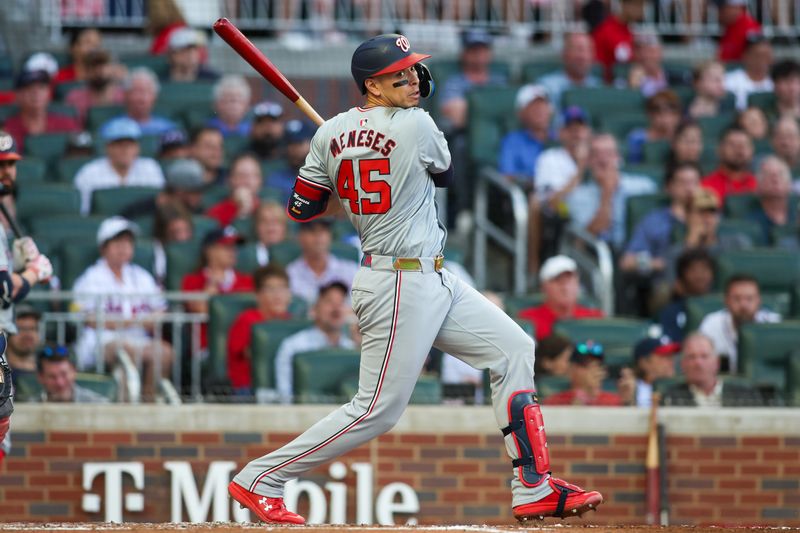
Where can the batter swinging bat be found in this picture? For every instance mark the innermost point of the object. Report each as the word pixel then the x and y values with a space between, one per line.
pixel 245 48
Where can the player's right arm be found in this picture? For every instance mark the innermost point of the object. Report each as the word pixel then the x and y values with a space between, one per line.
pixel 313 186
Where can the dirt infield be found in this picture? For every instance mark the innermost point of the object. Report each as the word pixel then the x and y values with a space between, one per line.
pixel 97 527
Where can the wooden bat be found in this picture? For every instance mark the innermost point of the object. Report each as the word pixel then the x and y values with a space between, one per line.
pixel 652 471
pixel 245 48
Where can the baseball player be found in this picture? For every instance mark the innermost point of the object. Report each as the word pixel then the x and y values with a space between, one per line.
pixel 383 162
pixel 18 272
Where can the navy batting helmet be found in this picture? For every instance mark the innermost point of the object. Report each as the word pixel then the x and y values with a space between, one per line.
pixel 387 53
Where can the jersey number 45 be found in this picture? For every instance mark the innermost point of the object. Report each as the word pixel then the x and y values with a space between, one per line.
pixel 346 185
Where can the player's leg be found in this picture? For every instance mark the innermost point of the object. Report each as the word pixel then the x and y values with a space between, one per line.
pixel 399 315
pixel 482 335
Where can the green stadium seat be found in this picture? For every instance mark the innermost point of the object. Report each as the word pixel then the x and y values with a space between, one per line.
pixel 31 169
pixel 202 225
pixel 653 171
pixel 427 391
pixel 63 88
pixel 99 115
pixel 775 270
pixel 47 146
pixel 491 116
pixel 214 194
pixel 108 202
pixel 265 341
pixel 222 311
pixel 271 194
pixel 182 258
pixel 103 385
pixel 617 335
pixel 785 236
pixel 75 258
pixel 713 126
pixel 234 145
pixel 549 385
pixel 744 228
pixel 622 123
pixel 68 167
pixel 764 351
pixel 763 100
pixel 637 207
pixel 318 375
pixel 740 205
pixel 158 64
pixel 61 228
pixel 246 259
pixel 51 199
pixel 603 100
pixel 245 228
pixel 285 252
pixel 179 96
pixel 197 117
pixel 697 307
pixel 793 378
pixel 272 165
pixel 655 152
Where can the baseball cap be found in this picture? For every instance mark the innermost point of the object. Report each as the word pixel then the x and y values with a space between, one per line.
pixel 184 38
pixel 555 266
pixel 583 352
pixel 753 38
pixel 32 77
pixel 267 109
pixel 297 131
pixel 185 174
pixel 476 37
pixel 172 139
pixel 703 199
pixel 26 310
pixel 42 61
pixel 80 139
pixel 8 150
pixel 120 128
pixel 226 235
pixel 528 93
pixel 659 346
pixel 574 113
pixel 114 226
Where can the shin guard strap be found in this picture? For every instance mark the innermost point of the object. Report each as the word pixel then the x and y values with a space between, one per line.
pixel 562 499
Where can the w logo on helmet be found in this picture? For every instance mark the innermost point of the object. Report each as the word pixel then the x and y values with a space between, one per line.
pixel 402 43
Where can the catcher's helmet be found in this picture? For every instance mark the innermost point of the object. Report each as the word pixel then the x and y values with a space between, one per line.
pixel 387 53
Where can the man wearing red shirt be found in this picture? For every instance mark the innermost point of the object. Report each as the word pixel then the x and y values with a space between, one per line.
pixel 733 16
pixel 33 97
pixel 272 303
pixel 735 159
pixel 244 182
pixel 560 285
pixel 586 375
pixel 613 39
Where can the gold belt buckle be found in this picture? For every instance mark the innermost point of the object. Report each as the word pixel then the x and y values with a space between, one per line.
pixel 407 263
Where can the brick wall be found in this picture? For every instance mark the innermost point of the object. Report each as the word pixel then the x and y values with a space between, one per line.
pixel 460 478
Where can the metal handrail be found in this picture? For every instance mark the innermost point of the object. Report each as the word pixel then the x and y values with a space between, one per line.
pixel 516 244
pixel 598 265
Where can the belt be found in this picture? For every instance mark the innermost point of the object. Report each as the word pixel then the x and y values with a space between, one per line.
pixel 413 264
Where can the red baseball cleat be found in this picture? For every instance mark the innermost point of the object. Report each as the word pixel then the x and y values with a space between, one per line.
pixel 566 500
pixel 271 510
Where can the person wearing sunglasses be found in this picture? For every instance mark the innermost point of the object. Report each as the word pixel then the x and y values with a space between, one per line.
pixel 586 375
pixel 56 374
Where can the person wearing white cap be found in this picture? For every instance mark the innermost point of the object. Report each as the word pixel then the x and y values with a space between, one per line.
pixel 561 287
pixel 127 297
pixel 519 149
pixel 185 57
pixel 121 166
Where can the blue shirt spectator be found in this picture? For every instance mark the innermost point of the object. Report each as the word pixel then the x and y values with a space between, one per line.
pixel 141 91
pixel 520 149
pixel 653 233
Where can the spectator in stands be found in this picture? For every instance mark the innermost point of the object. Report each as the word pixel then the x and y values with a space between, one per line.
pixel 702 226
pixel 141 92
pixel 700 364
pixel 737 24
pixel 561 168
pixel 735 160
pixel 654 359
pixel 754 75
pixel 22 345
pixel 709 91
pixel 586 375
pixel 244 182
pixel 79 144
pixel 686 145
pixel 56 373
pixel 270 225
pixel 577 56
pixel 33 118
pixel 695 277
pixel 786 79
pixel 183 185
pixel 129 299
pixel 663 116
pixel 207 147
pixel 475 61
pixel 613 39
pixel 552 356
pixel 297 138
pixel 317 267
pixel 163 19
pixel 266 132
pixel 599 206
pixel 560 284
pixel 231 103
pixel 774 190
pixel 172 223
pixel 185 57
pixel 173 144
pixel 121 166
pixel 272 303
pixel 41 61
pixel 101 87
pixel 330 314
pixel 754 122
pixel 786 142
pixel 647 72
pixel 81 42
pixel 519 149
pixel 647 251
pixel 742 306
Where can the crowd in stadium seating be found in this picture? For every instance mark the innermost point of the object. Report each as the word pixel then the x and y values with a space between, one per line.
pixel 180 179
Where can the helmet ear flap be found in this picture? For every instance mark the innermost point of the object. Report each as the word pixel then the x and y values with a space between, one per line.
pixel 426 84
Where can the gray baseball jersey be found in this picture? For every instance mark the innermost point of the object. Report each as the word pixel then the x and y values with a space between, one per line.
pixel 378 161
pixel 6 315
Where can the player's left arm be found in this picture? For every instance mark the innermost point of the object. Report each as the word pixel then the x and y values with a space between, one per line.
pixel 433 150
pixel 312 187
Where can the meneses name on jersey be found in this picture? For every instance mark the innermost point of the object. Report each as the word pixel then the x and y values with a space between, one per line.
pixel 365 138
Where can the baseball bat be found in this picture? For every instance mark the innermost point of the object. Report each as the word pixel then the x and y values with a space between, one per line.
pixel 662 475
pixel 652 471
pixel 11 222
pixel 248 51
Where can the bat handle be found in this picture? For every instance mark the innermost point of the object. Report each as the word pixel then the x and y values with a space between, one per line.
pixel 310 112
pixel 11 222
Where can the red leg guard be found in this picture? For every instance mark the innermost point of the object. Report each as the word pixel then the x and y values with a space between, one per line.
pixel 526 425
